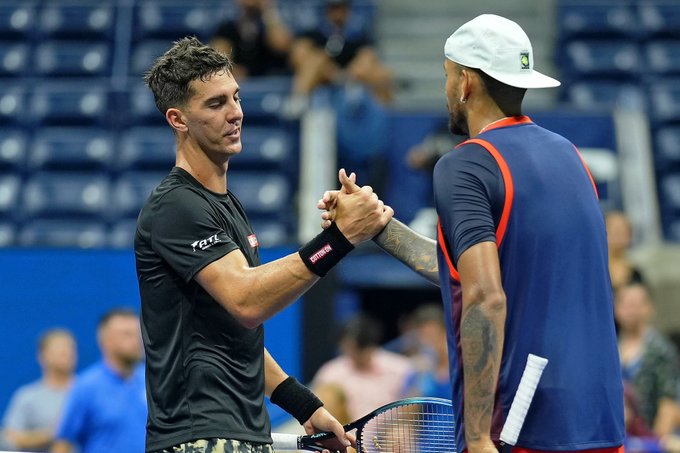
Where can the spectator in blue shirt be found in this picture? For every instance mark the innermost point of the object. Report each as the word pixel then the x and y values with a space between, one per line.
pixel 106 408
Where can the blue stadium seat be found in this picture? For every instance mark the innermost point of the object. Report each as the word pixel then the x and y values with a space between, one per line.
pixel 63 233
pixel 142 108
pixel 660 17
pixel 80 19
pixel 667 149
pixel 7 235
pixel 265 147
pixel 601 18
pixel 13 149
pixel 66 194
pixel 71 102
pixel 264 96
pixel 175 19
pixel 260 192
pixel 147 148
pixel 14 58
pixel 17 18
pixel 271 233
pixel 664 96
pixel 663 57
pixel 10 192
pixel 66 148
pixel 606 94
pixel 145 53
pixel 122 234
pixel 672 230
pixel 13 104
pixel 669 188
pixel 598 58
pixel 72 59
pixel 131 191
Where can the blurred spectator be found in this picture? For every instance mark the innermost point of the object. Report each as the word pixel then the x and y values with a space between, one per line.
pixel 35 408
pixel 257 40
pixel 619 237
pixel 649 361
pixel 106 407
pixel 426 153
pixel 365 375
pixel 338 51
pixel 432 364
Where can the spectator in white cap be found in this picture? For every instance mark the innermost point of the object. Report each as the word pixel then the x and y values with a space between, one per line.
pixel 521 258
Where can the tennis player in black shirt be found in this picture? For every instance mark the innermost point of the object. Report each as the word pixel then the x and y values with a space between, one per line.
pixel 204 293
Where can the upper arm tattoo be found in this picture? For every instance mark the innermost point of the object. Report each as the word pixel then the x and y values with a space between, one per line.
pixel 416 251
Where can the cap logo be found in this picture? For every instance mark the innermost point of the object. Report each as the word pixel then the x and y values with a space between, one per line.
pixel 524 60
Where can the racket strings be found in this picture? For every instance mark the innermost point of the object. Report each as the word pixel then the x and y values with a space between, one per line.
pixel 422 428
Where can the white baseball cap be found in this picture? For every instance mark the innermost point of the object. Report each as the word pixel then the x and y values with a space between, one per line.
pixel 498 47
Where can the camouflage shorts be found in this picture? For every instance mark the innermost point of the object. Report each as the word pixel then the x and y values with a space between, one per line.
pixel 218 446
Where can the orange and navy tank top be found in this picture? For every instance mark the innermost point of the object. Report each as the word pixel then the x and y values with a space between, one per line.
pixel 528 190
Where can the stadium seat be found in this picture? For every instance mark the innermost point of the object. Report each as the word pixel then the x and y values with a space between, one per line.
pixel 13 104
pixel 142 108
pixel 663 57
pixel 71 102
pixel 669 188
pixel 660 17
pixel 17 18
pixel 62 148
pixel 265 147
pixel 145 53
pixel 13 149
pixel 131 191
pixel 10 191
pixel 664 98
pixel 122 234
pixel 261 193
pixel 598 58
pixel 672 230
pixel 63 233
pixel 7 234
pixel 601 18
pixel 606 94
pixel 80 19
pixel 63 195
pixel 667 150
pixel 263 97
pixel 14 59
pixel 175 19
pixel 147 148
pixel 271 233
pixel 72 59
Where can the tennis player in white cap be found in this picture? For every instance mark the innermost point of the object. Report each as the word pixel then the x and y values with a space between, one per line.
pixel 521 257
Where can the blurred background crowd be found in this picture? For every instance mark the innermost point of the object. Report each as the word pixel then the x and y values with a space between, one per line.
pixel 325 84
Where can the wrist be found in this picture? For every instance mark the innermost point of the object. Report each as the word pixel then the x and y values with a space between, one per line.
pixel 325 250
pixel 296 399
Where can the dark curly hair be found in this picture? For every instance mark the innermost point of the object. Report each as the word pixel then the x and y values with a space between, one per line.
pixel 187 60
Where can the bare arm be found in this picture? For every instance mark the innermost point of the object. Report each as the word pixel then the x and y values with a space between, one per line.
pixel 254 294
pixel 481 336
pixel 273 374
pixel 61 446
pixel 29 440
pixel 666 416
pixel 277 33
pixel 414 250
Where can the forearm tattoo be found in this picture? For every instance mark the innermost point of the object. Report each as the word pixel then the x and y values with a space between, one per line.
pixel 480 350
pixel 416 251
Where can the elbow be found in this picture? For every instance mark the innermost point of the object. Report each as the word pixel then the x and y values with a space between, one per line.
pixel 247 316
pixel 491 300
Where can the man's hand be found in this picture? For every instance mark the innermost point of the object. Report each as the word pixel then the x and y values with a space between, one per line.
pixel 357 211
pixel 322 420
pixel 481 446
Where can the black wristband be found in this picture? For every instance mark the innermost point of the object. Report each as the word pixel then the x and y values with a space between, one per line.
pixel 325 250
pixel 296 399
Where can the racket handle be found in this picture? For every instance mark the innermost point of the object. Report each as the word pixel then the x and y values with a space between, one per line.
pixel 284 441
pixel 520 404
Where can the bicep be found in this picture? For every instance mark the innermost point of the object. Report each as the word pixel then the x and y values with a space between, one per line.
pixel 480 274
pixel 224 278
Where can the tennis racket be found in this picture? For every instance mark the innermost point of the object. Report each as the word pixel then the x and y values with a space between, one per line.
pixel 422 425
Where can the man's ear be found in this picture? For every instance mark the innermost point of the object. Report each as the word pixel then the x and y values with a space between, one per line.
pixel 176 119
pixel 467 80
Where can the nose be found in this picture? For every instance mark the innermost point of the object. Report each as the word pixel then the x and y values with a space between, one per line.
pixel 235 113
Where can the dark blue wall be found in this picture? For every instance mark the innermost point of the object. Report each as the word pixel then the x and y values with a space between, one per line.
pixel 42 289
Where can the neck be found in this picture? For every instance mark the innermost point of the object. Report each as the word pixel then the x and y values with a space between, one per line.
pixel 121 368
pixel 212 174
pixel 57 379
pixel 634 333
pixel 483 112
